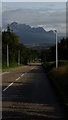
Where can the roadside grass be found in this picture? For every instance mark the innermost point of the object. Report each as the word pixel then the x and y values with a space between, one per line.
pixel 59 77
pixel 4 65
pixel 49 65
pixel 11 66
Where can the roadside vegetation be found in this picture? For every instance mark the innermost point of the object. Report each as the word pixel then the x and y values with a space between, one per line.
pixel 58 76
pixel 0 48
pixel 16 50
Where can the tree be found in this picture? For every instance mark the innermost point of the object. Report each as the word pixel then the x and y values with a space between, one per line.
pixel 12 40
pixel 26 54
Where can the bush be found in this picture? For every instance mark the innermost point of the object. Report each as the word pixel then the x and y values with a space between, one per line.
pixel 48 65
pixel 63 62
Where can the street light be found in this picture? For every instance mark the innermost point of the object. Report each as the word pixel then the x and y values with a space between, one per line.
pixel 56 49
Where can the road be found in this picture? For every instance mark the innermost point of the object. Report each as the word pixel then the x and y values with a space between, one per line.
pixel 28 95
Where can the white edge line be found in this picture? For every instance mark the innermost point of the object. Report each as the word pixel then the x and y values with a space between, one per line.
pixel 8 86
pixel 4 73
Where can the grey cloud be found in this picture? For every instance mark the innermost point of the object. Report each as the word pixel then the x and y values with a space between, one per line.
pixel 36 17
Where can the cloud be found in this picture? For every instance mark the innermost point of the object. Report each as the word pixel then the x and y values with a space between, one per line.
pixel 0 14
pixel 47 18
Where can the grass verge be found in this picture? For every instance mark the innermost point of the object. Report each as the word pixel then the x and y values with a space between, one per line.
pixel 59 79
pixel 11 67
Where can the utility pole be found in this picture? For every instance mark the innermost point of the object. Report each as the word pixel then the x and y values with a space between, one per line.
pixel 56 49
pixel 18 57
pixel 7 56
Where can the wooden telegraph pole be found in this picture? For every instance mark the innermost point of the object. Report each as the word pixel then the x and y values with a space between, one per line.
pixel 7 56
pixel 18 57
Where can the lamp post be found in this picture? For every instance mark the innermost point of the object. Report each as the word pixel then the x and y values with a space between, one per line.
pixel 56 49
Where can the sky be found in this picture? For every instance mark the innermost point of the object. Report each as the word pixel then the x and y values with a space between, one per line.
pixel 49 15
pixel 0 14
pixel 34 0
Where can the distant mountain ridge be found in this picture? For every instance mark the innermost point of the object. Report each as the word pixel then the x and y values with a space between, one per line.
pixel 31 35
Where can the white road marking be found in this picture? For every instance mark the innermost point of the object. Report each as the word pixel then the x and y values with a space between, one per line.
pixel 4 73
pixel 32 68
pixel 8 86
pixel 18 78
pixel 22 75
pixel 13 82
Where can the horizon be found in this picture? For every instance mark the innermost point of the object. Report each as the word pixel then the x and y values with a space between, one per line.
pixel 59 34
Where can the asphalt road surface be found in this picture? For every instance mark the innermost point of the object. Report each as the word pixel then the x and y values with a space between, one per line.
pixel 28 95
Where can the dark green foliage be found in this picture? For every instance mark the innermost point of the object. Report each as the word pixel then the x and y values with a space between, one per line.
pixel 11 39
pixel 45 55
pixel 48 65
pixel 63 49
pixel 50 54
pixel 59 76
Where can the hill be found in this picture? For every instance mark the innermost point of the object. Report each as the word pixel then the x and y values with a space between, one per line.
pixel 30 35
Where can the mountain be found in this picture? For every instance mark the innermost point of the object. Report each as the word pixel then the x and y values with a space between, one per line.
pixel 30 35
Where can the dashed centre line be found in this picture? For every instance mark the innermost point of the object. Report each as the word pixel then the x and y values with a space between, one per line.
pixel 32 68
pixel 22 75
pixel 13 82
pixel 18 78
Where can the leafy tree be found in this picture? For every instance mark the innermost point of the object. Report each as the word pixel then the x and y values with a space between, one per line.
pixel 50 54
pixel 11 39
pixel 26 55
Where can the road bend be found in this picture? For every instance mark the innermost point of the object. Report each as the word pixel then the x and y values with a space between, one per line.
pixel 28 95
